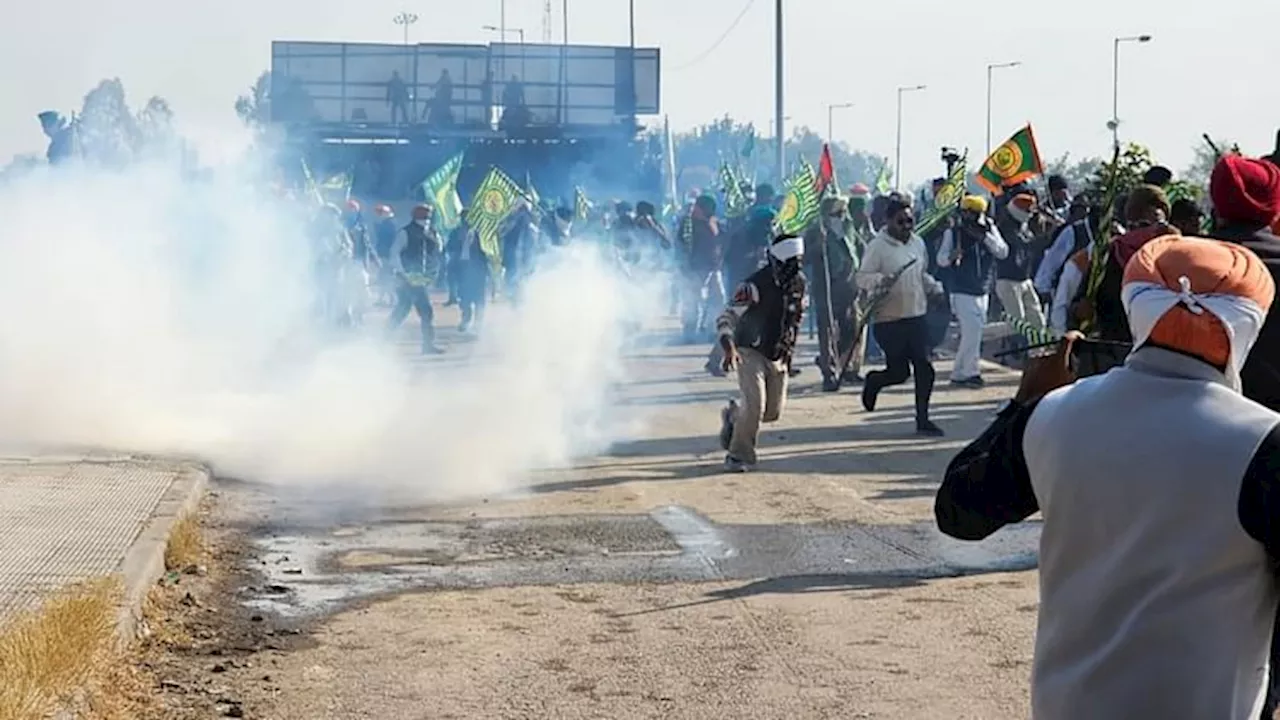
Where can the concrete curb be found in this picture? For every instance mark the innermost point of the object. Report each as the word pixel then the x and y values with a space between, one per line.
pixel 143 563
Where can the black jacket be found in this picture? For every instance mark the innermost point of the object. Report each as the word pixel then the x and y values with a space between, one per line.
pixel 1261 373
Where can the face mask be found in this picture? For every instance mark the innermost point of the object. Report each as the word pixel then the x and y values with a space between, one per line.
pixel 420 222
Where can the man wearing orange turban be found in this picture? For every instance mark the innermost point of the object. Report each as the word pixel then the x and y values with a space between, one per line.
pixel 1156 484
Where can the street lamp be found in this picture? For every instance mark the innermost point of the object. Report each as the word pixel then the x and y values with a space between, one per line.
pixel 897 152
pixel 831 112
pixel 1115 84
pixel 503 32
pixel 406 19
pixel 781 151
pixel 506 31
pixel 990 68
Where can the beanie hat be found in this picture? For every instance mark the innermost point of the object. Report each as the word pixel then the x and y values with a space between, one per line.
pixel 1245 190
pixel 1143 198
pixel 1204 298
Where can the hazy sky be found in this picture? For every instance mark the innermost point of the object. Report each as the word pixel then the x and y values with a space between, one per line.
pixel 1203 72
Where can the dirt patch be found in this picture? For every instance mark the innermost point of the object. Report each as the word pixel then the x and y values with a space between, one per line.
pixel 200 645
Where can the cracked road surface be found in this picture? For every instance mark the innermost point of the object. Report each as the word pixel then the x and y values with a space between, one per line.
pixel 647 584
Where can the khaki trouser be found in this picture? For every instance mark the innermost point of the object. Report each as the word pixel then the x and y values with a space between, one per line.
pixel 763 383
pixel 1020 300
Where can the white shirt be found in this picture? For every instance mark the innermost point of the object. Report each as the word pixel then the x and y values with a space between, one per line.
pixel 1054 257
pixel 1068 285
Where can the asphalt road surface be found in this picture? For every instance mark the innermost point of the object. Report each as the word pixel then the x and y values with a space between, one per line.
pixel 647 583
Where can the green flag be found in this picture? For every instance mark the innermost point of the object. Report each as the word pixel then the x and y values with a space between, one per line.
pixel 945 201
pixel 1016 159
pixel 749 145
pixel 312 188
pixel 735 203
pixel 800 203
pixel 340 183
pixel 883 186
pixel 441 190
pixel 493 202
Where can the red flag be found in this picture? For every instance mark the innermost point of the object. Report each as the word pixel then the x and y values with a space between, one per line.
pixel 826 170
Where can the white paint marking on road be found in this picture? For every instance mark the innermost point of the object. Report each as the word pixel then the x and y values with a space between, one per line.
pixel 693 532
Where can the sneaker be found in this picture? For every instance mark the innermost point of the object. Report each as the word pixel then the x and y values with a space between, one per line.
pixel 733 464
pixel 830 385
pixel 428 349
pixel 928 429
pixel 970 382
pixel 727 414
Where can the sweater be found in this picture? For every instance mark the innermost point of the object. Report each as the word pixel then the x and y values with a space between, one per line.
pixel 908 297
pixel 1157 589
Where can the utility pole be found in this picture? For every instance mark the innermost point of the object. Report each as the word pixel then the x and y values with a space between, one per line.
pixel 831 114
pixel 1115 85
pixel 897 152
pixel 406 19
pixel 546 22
pixel 778 118
pixel 990 68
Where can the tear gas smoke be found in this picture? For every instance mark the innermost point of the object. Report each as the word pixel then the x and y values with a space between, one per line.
pixel 152 313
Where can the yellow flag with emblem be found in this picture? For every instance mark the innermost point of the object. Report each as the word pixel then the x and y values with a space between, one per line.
pixel 494 200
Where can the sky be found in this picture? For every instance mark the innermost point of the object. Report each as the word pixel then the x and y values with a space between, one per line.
pixel 1210 67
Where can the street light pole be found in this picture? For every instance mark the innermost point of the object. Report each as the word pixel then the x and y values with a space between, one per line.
pixel 1115 84
pixel 990 68
pixel 778 119
pixel 502 20
pixel 406 19
pixel 897 152
pixel 831 111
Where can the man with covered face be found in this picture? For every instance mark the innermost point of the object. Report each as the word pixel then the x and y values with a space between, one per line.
pixel 758 333
pixel 415 260
pixel 831 266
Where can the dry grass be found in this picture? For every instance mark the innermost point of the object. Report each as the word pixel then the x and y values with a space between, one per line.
pixel 49 655
pixel 186 545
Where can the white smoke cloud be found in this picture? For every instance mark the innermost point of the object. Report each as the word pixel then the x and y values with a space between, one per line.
pixel 151 313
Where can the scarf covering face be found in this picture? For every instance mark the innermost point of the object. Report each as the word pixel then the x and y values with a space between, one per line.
pixel 1205 298
pixel 786 252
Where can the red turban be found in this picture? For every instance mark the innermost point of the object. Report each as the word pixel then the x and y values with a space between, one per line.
pixel 1245 190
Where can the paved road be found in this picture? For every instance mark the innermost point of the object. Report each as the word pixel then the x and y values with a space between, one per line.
pixel 647 583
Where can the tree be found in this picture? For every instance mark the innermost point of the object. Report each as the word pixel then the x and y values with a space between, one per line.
pixel 1202 162
pixel 1077 173
pixel 108 130
pixel 1126 172
pixel 272 97
pixel 700 152
pixel 254 108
